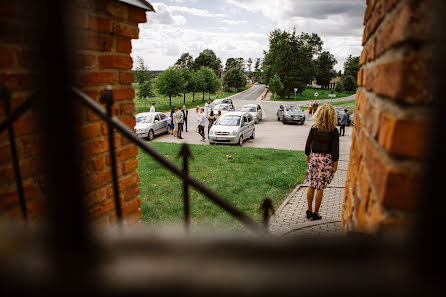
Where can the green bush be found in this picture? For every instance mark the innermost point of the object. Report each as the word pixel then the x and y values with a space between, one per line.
pixel 339 88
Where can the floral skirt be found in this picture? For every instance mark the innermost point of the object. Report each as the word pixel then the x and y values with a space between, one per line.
pixel 320 170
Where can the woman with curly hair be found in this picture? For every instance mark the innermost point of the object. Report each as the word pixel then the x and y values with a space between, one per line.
pixel 322 150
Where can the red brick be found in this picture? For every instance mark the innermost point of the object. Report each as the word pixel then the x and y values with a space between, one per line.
pixel 19 82
pixel 98 163
pixel 115 62
pixel 96 197
pixel 124 46
pixel 124 94
pixel 27 124
pixel 127 108
pixel 98 78
pixel 96 146
pixel 130 166
pixel 80 19
pixel 126 77
pixel 129 121
pixel 131 193
pixel 126 31
pixel 137 15
pixel 91 131
pixel 116 9
pixel 100 24
pixel 375 19
pixel 402 137
pixel 92 116
pixel 101 208
pixel 96 43
pixel 131 207
pixel 86 61
pixel 97 180
pixel 128 181
pixel 30 145
pixel 6 57
pixel 134 218
pixel 126 153
pixel 35 207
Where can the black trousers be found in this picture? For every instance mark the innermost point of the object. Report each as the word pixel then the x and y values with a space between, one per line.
pixel 185 123
pixel 180 128
pixel 201 131
pixel 342 130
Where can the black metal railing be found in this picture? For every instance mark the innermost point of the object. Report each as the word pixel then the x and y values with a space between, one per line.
pixel 112 124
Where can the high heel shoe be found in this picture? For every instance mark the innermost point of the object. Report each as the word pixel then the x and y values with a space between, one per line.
pixel 309 214
pixel 316 217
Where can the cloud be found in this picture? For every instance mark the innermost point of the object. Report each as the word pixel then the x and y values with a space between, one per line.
pixel 164 16
pixel 195 11
pixel 234 22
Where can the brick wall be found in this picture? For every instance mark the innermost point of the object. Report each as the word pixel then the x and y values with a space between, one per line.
pixel 105 30
pixel 394 101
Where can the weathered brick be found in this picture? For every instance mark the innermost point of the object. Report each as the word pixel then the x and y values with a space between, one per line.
pixel 128 181
pixel 100 24
pixel 96 146
pixel 101 209
pixel 136 15
pixel 126 77
pixel 401 137
pixel 95 78
pixel 131 206
pixel 124 46
pixel 127 108
pixel 126 31
pixel 96 43
pixel 98 163
pixel 116 9
pixel 115 62
pixel 124 94
pixel 86 61
pixel 96 196
pixel 91 131
pixel 130 166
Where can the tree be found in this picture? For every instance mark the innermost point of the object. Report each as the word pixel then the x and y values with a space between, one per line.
pixel 207 58
pixel 185 61
pixel 170 83
pixel 211 81
pixel 349 83
pixel 324 65
pixel 196 83
pixel 238 63
pixel 312 41
pixel 257 66
pixel 144 79
pixel 249 65
pixel 187 76
pixel 351 66
pixel 275 85
pixel 339 88
pixel 234 79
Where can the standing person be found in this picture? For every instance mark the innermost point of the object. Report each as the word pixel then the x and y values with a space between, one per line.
pixel 172 126
pixel 206 107
pixel 201 124
pixel 175 124
pixel 218 114
pixel 197 110
pixel 152 108
pixel 185 114
pixel 211 120
pixel 180 109
pixel 322 150
pixel 310 107
pixel 344 121
pixel 179 116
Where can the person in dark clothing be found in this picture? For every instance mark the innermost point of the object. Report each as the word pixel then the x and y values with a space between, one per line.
pixel 343 122
pixel 322 151
pixel 185 114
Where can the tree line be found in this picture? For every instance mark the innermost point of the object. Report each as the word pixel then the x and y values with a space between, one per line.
pixel 294 60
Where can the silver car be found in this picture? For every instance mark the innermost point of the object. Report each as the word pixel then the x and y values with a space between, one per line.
pixel 149 124
pixel 224 108
pixel 219 101
pixel 290 114
pixel 255 110
pixel 233 128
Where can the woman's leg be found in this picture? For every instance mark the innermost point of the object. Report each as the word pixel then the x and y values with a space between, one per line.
pixel 310 195
pixel 319 194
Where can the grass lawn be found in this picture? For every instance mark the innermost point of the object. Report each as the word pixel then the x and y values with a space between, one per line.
pixel 350 105
pixel 308 94
pixel 245 180
pixel 162 103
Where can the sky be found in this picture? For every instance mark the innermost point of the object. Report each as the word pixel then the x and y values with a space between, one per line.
pixel 240 28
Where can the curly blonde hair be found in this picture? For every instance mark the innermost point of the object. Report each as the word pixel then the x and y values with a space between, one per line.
pixel 325 118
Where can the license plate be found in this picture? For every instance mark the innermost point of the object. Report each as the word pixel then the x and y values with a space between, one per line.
pixel 140 135
pixel 220 138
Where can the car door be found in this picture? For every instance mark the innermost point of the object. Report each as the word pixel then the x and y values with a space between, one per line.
pixel 163 123
pixel 157 125
pixel 259 112
pixel 244 127
pixel 251 124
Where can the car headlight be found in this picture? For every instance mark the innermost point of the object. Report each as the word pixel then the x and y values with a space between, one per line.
pixel 234 133
pixel 141 130
pixel 211 132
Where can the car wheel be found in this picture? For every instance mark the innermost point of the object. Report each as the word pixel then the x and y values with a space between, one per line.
pixel 253 135
pixel 168 129
pixel 240 140
pixel 278 118
pixel 283 121
pixel 151 135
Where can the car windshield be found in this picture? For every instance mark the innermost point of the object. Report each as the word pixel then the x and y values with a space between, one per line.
pixel 218 101
pixel 229 121
pixel 221 107
pixel 292 108
pixel 144 119
pixel 249 109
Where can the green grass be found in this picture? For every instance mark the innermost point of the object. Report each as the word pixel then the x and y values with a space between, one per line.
pixel 245 180
pixel 308 94
pixel 350 105
pixel 162 103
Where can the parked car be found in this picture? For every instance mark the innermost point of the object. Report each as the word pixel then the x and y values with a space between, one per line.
pixel 149 124
pixel 290 114
pixel 224 108
pixel 233 128
pixel 255 110
pixel 219 101
pixel 340 113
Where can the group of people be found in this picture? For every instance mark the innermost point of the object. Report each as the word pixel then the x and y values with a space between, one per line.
pixel 178 121
pixel 203 115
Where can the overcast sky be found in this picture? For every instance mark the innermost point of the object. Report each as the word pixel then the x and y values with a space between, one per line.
pixel 240 28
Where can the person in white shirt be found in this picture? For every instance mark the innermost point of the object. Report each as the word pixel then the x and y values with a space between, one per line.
pixel 152 108
pixel 202 124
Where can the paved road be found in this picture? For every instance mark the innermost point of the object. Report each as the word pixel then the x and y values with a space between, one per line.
pixel 251 94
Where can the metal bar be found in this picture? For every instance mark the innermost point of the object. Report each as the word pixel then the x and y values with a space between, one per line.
pixel 107 98
pixel 24 107
pixel 15 160
pixel 185 153
pixel 267 208
pixel 214 197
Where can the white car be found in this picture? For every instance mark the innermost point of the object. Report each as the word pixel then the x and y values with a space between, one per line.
pixel 255 110
pixel 233 128
pixel 149 124
pixel 224 108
